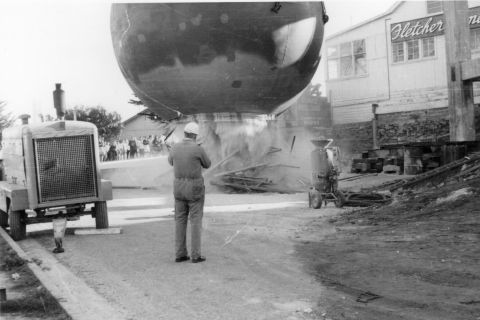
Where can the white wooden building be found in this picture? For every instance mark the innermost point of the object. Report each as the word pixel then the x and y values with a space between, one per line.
pixel 396 59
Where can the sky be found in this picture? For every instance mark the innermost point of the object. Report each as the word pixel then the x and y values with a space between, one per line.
pixel 43 42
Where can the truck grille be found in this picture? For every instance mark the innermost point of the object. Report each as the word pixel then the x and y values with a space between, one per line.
pixel 65 168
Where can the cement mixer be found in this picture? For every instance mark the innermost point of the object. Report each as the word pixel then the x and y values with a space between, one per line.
pixel 325 171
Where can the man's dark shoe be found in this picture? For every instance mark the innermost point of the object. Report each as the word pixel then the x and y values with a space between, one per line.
pixel 199 259
pixel 181 259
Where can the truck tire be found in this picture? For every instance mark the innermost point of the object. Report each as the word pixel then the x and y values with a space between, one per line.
pixel 3 219
pixel 101 215
pixel 340 199
pixel 316 200
pixel 18 226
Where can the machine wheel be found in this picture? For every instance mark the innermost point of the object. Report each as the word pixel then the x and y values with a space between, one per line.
pixel 3 219
pixel 101 215
pixel 316 200
pixel 340 199
pixel 18 226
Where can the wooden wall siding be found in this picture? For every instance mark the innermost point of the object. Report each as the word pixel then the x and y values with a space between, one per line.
pixel 401 101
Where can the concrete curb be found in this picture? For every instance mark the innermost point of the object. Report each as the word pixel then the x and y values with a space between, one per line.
pixel 78 300
pixel 93 231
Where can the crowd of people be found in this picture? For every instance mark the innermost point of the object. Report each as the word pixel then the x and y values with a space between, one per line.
pixel 131 148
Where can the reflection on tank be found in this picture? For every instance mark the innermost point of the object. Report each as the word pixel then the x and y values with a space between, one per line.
pixel 192 58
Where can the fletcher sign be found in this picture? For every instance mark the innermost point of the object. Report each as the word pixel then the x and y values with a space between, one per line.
pixel 427 27
pixel 474 18
pixel 420 28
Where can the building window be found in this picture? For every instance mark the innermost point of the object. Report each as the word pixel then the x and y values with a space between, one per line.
pixel 346 63
pixel 332 69
pixel 398 52
pixel 410 50
pixel 428 47
pixel 347 60
pixel 413 50
pixel 475 39
pixel 434 7
pixel 359 57
pixel 332 62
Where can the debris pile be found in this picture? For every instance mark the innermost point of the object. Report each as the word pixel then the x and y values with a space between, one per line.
pixel 255 155
pixel 249 179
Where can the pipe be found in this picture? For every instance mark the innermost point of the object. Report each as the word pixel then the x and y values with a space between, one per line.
pixel 374 126
pixel 59 101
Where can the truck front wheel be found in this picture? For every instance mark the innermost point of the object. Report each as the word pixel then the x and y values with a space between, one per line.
pixel 18 226
pixel 101 215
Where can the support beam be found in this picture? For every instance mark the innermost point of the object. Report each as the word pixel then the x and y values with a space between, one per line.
pixel 460 93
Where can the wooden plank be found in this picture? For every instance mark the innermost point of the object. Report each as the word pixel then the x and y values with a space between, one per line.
pixel 242 169
pixel 247 179
pixel 438 171
pixel 359 176
pixel 469 170
pixel 283 165
pixel 293 143
pixel 471 69
pixel 254 188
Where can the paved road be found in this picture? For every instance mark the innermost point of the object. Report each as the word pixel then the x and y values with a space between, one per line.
pixel 251 272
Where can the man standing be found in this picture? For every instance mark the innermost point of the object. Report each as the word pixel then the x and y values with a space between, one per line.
pixel 187 159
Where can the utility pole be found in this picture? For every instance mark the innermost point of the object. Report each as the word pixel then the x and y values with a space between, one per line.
pixel 460 92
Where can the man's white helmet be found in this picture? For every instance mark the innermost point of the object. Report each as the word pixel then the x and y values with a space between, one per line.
pixel 192 127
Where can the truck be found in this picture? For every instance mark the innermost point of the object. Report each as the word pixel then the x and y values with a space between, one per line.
pixel 51 170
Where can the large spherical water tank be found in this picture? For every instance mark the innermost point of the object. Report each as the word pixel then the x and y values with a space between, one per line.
pixel 201 58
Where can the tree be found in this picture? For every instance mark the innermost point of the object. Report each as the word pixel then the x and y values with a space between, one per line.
pixel 136 101
pixel 109 124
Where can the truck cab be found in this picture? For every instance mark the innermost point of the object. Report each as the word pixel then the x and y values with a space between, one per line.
pixel 50 170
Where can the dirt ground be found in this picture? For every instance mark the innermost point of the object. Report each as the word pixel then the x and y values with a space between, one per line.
pixel 420 255
pixel 26 298
pixel 269 256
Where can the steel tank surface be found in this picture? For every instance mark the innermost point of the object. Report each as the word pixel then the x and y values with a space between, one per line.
pixel 202 58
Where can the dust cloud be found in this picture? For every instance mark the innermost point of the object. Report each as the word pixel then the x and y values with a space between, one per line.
pixel 259 141
pixel 244 142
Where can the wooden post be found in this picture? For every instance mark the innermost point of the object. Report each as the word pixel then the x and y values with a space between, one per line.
pixel 460 93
